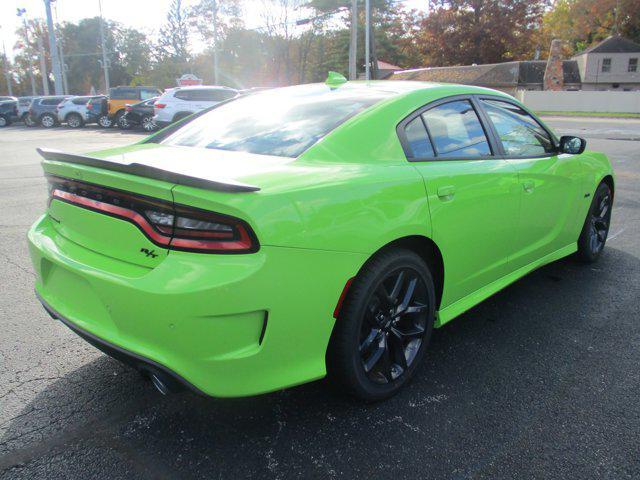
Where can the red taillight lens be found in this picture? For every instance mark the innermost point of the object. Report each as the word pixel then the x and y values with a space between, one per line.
pixel 159 105
pixel 174 227
pixel 128 108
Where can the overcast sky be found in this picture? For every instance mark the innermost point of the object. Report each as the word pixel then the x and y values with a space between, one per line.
pixel 145 15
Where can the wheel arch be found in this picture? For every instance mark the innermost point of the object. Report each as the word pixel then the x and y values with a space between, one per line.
pixel 608 179
pixel 426 248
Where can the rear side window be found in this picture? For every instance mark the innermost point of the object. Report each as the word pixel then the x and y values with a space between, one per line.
pixel 51 101
pixel 123 93
pixel 519 133
pixel 80 101
pixel 418 139
pixel 456 130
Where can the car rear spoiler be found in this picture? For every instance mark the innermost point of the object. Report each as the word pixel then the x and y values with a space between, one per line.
pixel 148 172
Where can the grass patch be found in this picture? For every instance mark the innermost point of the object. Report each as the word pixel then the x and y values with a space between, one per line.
pixel 591 114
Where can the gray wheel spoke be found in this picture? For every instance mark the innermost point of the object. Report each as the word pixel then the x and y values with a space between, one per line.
pixel 375 356
pixel 408 295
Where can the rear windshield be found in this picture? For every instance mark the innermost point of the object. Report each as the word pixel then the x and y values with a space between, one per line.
pixel 283 122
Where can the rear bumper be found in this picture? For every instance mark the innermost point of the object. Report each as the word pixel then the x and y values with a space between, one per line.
pixel 225 325
pixel 145 365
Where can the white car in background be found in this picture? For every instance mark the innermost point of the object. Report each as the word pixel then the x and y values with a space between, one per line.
pixel 177 103
pixel 73 111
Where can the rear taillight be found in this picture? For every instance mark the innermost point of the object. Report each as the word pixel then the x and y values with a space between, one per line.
pixel 159 105
pixel 127 108
pixel 174 227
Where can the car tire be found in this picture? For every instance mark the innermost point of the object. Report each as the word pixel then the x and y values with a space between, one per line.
pixel 367 355
pixel 28 121
pixel 74 120
pixel 123 123
pixel 104 121
pixel 117 120
pixel 47 120
pixel 4 121
pixel 147 123
pixel 593 236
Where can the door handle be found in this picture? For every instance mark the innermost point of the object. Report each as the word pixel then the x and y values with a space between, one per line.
pixel 528 186
pixel 446 192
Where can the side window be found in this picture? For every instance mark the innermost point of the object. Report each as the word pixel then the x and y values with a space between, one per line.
pixel 520 134
pixel 456 130
pixel 184 95
pixel 80 101
pixel 418 139
pixel 606 65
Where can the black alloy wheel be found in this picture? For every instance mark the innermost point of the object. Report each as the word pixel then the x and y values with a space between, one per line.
pixel 394 323
pixel 596 226
pixel 383 327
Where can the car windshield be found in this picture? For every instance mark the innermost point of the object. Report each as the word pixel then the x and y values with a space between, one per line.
pixel 282 122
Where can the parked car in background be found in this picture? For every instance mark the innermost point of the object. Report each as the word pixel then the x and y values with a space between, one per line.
pixel 7 98
pixel 43 110
pixel 177 103
pixel 74 111
pixel 24 103
pixel 120 96
pixel 8 112
pixel 140 115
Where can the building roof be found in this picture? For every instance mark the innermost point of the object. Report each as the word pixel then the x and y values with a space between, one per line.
pixel 495 75
pixel 613 44
pixel 387 66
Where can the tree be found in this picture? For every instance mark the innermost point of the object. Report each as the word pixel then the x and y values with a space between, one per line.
pixel 173 43
pixel 462 32
pixel 581 23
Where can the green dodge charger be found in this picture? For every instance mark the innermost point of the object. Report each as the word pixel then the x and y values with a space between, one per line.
pixel 310 231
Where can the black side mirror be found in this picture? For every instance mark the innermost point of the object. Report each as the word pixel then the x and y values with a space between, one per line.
pixel 572 145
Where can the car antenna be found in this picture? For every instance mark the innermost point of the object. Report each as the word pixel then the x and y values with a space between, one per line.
pixel 335 79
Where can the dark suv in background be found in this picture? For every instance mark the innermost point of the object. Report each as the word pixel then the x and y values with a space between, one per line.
pixel 43 110
pixel 8 112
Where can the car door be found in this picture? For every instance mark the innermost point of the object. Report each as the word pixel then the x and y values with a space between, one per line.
pixel 472 193
pixel 549 183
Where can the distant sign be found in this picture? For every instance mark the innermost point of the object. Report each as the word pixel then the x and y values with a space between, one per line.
pixel 188 80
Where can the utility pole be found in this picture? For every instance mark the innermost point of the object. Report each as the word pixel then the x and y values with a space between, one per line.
pixel 353 45
pixel 53 50
pixel 6 69
pixel 214 6
pixel 63 66
pixel 43 67
pixel 367 43
pixel 105 61
pixel 21 13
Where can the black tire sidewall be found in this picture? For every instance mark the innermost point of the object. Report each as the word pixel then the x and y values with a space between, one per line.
pixel 345 365
pixel 75 115
pixel 584 253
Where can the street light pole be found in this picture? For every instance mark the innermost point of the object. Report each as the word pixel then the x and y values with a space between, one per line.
pixel 353 45
pixel 214 5
pixel 105 61
pixel 367 42
pixel 53 50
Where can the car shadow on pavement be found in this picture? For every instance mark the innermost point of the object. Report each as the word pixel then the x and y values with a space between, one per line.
pixel 495 380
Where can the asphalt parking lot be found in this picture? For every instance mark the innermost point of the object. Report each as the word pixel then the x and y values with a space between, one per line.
pixel 539 381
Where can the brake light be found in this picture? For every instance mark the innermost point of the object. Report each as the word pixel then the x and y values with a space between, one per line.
pixel 159 105
pixel 174 227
